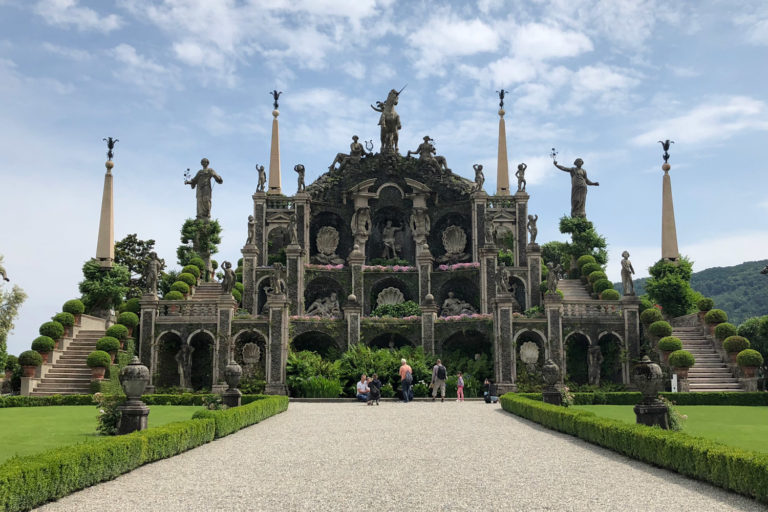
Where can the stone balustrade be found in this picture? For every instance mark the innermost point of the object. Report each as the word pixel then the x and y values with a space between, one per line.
pixel 592 308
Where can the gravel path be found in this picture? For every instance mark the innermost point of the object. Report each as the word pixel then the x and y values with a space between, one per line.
pixel 417 456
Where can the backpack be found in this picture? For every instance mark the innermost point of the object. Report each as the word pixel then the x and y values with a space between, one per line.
pixel 408 378
pixel 441 372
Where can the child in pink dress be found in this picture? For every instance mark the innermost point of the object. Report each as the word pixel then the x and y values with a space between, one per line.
pixel 460 389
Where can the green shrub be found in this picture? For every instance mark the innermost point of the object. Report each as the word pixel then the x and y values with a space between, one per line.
pixel 239 287
pixel 128 319
pixel 237 295
pixel 650 316
pixel 321 387
pixel 131 306
pixel 233 419
pixel 108 344
pixel 735 344
pixel 98 358
pixel 118 331
pixel 74 306
pixel 173 295
pixel 716 316
pixel 583 260
pixel 670 344
pixel 749 357
pixel 660 329
pixel 601 284
pixel 506 257
pixel 43 344
pixel 681 359
pixel 610 294
pixel 52 329
pixel 596 276
pixel 11 363
pixel 64 318
pixel 407 308
pixel 705 304
pixel 191 269
pixel 589 268
pixel 186 277
pixel 181 287
pixel 724 330
pixel 30 358
pixel 199 263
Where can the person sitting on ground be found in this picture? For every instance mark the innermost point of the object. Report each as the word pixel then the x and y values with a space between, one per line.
pixel 374 384
pixel 362 389
pixel 490 392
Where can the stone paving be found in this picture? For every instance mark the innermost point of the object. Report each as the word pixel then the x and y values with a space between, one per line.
pixel 419 456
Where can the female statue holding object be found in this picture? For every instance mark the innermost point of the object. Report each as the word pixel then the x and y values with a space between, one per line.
pixel 579 182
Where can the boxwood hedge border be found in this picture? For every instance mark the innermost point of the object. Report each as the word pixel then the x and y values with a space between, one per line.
pixel 741 471
pixel 695 398
pixel 178 399
pixel 30 481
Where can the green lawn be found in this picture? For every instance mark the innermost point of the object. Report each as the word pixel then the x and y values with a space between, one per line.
pixel 28 430
pixel 743 427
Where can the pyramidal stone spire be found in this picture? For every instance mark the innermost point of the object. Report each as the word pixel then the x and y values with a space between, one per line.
pixel 105 246
pixel 274 152
pixel 502 166
pixel 669 251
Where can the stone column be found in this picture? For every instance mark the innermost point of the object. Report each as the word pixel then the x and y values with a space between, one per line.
pixel 147 349
pixel 488 256
pixel 630 306
pixel 301 204
pixel 225 310
pixel 668 230
pixel 356 261
pixel 553 308
pixel 428 317
pixel 479 208
pixel 250 262
pixel 521 220
pixel 504 353
pixel 260 235
pixel 424 261
pixel 105 247
pixel 533 294
pixel 295 281
pixel 353 310
pixel 277 305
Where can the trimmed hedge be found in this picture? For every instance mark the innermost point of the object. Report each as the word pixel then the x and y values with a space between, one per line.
pixel 596 276
pixel 191 269
pixel 660 329
pixel 716 316
pixel 64 318
pixel 173 295
pixel 725 330
pixel 108 344
pixel 601 285
pixel 128 319
pixel 735 344
pixel 74 306
pixel 650 316
pixel 670 344
pixel 742 471
pixel 236 418
pixel 44 401
pixel 695 398
pixel 610 294
pixel 199 263
pixel 131 306
pixel 705 304
pixel 187 278
pixel 117 331
pixel 589 268
pixel 30 358
pixel 749 357
pixel 583 260
pixel 52 329
pixel 681 359
pixel 43 344
pixel 98 358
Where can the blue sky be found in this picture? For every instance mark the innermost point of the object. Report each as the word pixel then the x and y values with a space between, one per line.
pixel 178 80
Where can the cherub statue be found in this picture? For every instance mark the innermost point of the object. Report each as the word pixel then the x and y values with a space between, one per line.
pixel 300 170
pixel 520 175
pixel 262 178
pixel 479 176
pixel 532 229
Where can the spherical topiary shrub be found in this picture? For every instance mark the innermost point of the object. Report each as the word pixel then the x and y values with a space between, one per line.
pixel 131 306
pixel 74 306
pixel 108 344
pixel 128 319
pixel 237 295
pixel 589 268
pixel 181 287
pixel 188 278
pixel 11 362
pixel 660 329
pixel 43 344
pixel 749 357
pixel 596 276
pixel 724 330
pixel 681 359
pixel 215 264
pixel 118 331
pixel 583 260
pixel 52 329
pixel 191 269
pixel 610 294
pixel 65 319
pixel 716 316
pixel 199 263
pixel 650 316
pixel 173 295
pixel 670 344
pixel 601 284
pixel 705 304
pixel 239 287
pixel 30 358
pixel 98 358
pixel 735 344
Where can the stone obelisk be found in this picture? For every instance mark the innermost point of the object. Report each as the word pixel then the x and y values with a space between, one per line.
pixel 274 152
pixel 502 166
pixel 669 251
pixel 105 247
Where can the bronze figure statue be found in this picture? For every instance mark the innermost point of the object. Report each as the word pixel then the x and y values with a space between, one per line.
pixel 262 178
pixel 300 170
pixel 520 175
pixel 276 95
pixel 501 94
pixel 389 121
pixel 579 182
pixel 110 147
pixel 665 146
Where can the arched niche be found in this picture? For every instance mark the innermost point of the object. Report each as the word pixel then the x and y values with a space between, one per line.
pixel 440 224
pixel 470 351
pixel 202 360
pixel 536 337
pixel 334 220
pixel 277 240
pixel 388 282
pixel 517 287
pixel 253 362
pixel 390 206
pixel 167 372
pixel 576 358
pixel 318 342
pixel 261 295
pixel 320 288
pixel 390 340
pixel 463 288
pixel 611 367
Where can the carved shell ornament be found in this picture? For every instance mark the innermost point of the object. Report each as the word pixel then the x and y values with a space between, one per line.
pixel 454 240
pixel 327 240
pixel 529 352
pixel 390 295
pixel 251 353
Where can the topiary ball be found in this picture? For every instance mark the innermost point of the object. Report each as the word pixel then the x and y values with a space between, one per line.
pixel 239 287
pixel 596 276
pixel 98 358
pixel 602 284
pixel 716 316
pixel 30 358
pixel 589 268
pixel 725 330
pixel 610 294
pixel 583 260
pixel 749 357
pixel 108 344
pixel 735 344
pixel 215 264
pixel 131 306
pixel 118 331
pixel 188 278
pixel 705 304
pixel 128 319
pixel 199 263
pixel 65 319
pixel 52 329
pixel 43 344
pixel 237 295
pixel 173 295
pixel 681 359
pixel 191 269
pixel 74 306
pixel 670 344
pixel 650 316
pixel 181 287
pixel 660 329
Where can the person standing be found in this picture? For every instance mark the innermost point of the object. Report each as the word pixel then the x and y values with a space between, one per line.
pixel 460 388
pixel 406 379
pixel 439 375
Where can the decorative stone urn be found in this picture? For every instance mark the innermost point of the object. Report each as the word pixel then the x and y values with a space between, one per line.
pixel 551 373
pixel 134 413
pixel 649 379
pixel 232 373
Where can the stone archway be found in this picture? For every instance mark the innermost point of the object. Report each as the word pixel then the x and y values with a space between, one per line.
pixel 387 282
pixel 277 240
pixel 531 353
pixel 576 358
pixel 202 359
pixel 470 352
pixel 517 286
pixel 251 353
pixel 611 369
pixel 167 371
pixel 463 288
pixel 390 340
pixel 319 342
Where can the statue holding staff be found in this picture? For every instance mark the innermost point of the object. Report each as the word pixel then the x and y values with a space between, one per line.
pixel 579 182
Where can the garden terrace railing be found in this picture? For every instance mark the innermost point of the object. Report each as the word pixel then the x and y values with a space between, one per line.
pixel 279 203
pixel 591 308
pixel 176 309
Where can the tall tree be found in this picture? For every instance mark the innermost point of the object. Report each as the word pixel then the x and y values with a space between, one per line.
pixel 103 289
pixel 10 302
pixel 133 253
pixel 670 286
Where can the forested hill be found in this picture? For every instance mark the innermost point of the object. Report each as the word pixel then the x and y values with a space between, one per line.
pixel 739 290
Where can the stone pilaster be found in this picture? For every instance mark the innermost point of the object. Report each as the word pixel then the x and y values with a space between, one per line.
pixel 225 307
pixel 277 305
pixel 250 262
pixel 295 282
pixel 424 261
pixel 356 261
pixel 105 246
pixel 521 220
pixel 488 256
pixel 479 207
pixel 428 317
pixel 301 204
pixel 630 306
pixel 533 294
pixel 553 308
pixel 147 349
pixel 353 310
pixel 504 353
pixel 669 249
pixel 260 231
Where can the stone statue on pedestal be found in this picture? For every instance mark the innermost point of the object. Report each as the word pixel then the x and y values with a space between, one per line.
pixel 389 121
pixel 533 231
pixel 184 361
pixel 251 231
pixel 579 182
pixel 277 280
pixel 388 238
pixel 420 225
pixel 426 152
pixel 520 175
pixel 596 358
pixel 202 182
pixel 356 152
pixel 553 277
pixel 453 306
pixel 300 171
pixel 489 238
pixel 262 178
pixel 479 176
pixel 152 271
pixel 626 274
pixel 228 282
pixel 502 279
pixel 292 230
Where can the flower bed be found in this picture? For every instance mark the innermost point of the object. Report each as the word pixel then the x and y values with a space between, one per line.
pixel 314 266
pixel 460 318
pixel 410 318
pixel 393 268
pixel 460 266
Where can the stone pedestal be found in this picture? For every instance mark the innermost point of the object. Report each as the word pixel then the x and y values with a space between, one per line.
pixel 260 230
pixel 428 317
pixel 134 416
pixel 683 385
pixel 226 307
pixel 521 236
pixel 250 262
pixel 534 275
pixel 552 396
pixel 504 353
pixel 356 261
pixel 295 278
pixel 488 256
pixel 479 208
pixel 749 383
pixel 553 308
pixel 147 350
pixel 231 397
pixel 353 310
pixel 630 305
pixel 652 414
pixel 277 306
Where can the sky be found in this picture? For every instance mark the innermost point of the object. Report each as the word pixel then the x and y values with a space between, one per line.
pixel 178 80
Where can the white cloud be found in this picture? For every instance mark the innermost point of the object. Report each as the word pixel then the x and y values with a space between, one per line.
pixel 754 25
pixel 68 13
pixel 538 42
pixel 153 78
pixel 70 53
pixel 446 37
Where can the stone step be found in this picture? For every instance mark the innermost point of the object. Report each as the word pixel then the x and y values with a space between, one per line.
pixel 65 380
pixel 713 369
pixel 715 387
pixel 52 393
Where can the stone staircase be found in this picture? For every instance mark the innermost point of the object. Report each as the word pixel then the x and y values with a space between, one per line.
pixel 206 292
pixel 69 375
pixel 573 289
pixel 709 373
